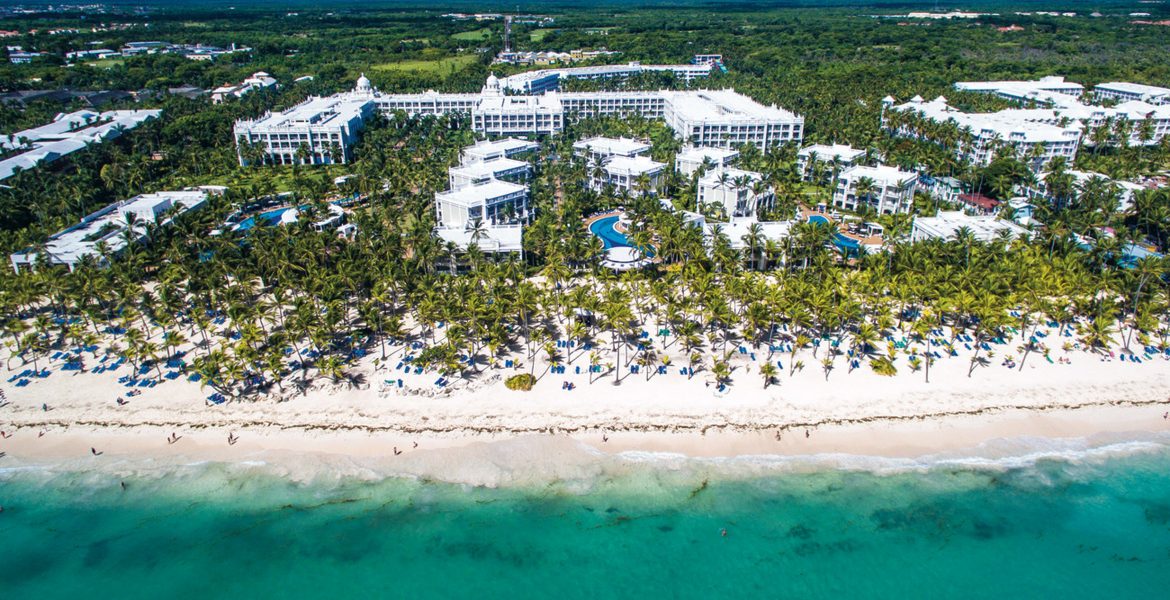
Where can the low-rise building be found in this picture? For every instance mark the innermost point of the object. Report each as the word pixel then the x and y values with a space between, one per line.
pixel 479 173
pixel 1081 182
pixel 632 174
pixel 740 193
pixel 693 158
pixel 109 231
pixel 1123 91
pixel 946 225
pixel 1021 90
pixel 492 202
pixel 488 238
pixel 66 134
pixel 597 150
pixel 885 190
pixel 977 204
pixel 943 189
pixel 258 81
pixel 493 149
pixel 831 158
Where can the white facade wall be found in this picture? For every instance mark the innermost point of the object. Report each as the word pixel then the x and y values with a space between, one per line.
pixel 892 190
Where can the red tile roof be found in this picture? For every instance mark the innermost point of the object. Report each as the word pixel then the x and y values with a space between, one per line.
pixel 979 201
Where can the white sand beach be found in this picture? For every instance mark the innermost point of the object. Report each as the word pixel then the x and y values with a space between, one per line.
pixel 858 412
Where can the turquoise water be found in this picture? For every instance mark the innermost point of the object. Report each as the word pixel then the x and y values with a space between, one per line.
pixel 847 244
pixel 610 237
pixel 1068 528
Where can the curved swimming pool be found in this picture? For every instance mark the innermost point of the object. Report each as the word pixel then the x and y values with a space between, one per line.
pixel 842 241
pixel 610 237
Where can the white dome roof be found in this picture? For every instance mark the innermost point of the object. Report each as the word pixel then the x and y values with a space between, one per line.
pixel 363 83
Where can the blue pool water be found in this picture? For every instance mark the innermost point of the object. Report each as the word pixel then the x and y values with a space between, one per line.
pixel 1060 527
pixel 847 244
pixel 271 217
pixel 610 237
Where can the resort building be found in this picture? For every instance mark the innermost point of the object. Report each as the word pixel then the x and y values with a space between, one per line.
pixel 1024 90
pixel 547 80
pixel 492 202
pixel 493 149
pixel 597 150
pixel 318 131
pixel 975 203
pixel 110 230
pixel 885 190
pixel 943 189
pixel 488 238
pixel 832 159
pixel 717 118
pixel 258 81
pixel 1124 91
pixel 637 175
pixel 479 173
pixel 726 119
pixel 1036 135
pixel 1082 182
pixel 739 193
pixel 738 230
pixel 693 158
pixel 65 135
pixel 945 225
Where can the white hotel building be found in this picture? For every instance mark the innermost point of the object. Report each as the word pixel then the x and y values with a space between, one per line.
pixel 547 80
pixel 1124 91
pixel 322 125
pixel 108 229
pixel 719 118
pixel 1015 128
pixel 490 202
pixel 1024 90
pixel 693 158
pixel 735 190
pixel 493 149
pixel 623 174
pixel 597 150
pixel 891 192
pixel 480 172
pixel 832 156
pixel 945 225
pixel 64 135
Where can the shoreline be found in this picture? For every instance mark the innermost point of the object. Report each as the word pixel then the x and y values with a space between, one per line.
pixel 500 458
pixel 854 412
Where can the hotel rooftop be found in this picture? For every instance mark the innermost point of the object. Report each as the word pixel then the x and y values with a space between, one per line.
pixel 605 146
pixel 503 148
pixel 109 227
pixel 314 112
pixel 67 133
pixel 722 106
pixel 945 225
pixel 839 152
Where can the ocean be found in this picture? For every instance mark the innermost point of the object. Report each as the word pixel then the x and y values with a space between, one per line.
pixel 1073 521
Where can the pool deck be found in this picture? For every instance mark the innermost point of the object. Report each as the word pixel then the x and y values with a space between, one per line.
pixel 870 240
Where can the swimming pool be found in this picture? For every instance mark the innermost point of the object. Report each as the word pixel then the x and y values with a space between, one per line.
pixel 610 237
pixel 271 217
pixel 847 244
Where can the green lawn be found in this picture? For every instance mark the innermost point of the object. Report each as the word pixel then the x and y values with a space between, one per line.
pixel 449 64
pixel 473 36
pixel 539 34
